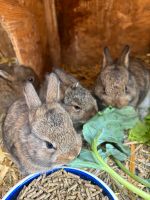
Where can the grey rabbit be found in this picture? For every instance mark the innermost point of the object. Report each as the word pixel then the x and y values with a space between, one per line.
pixel 76 99
pixel 124 81
pixel 40 135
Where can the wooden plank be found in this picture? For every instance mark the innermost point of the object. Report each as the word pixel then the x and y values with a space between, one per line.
pixel 52 29
pixel 86 26
pixel 22 30
pixel 6 48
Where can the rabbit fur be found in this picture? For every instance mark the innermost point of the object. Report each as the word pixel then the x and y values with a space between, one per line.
pixel 12 79
pixel 76 100
pixel 40 135
pixel 125 81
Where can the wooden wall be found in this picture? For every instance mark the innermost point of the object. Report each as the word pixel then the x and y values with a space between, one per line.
pixel 74 32
pixel 86 26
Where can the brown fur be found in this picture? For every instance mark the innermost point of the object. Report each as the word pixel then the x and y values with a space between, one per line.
pixel 76 100
pixel 125 81
pixel 31 126
pixel 12 80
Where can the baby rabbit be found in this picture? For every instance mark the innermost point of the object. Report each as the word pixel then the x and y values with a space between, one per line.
pixel 12 79
pixel 76 100
pixel 125 81
pixel 40 135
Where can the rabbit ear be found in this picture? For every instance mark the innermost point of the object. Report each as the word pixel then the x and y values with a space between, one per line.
pixel 6 75
pixel 124 58
pixel 107 60
pixel 65 78
pixel 75 85
pixel 53 89
pixel 31 97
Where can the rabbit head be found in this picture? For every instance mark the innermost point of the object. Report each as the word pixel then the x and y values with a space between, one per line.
pixel 43 136
pixel 12 80
pixel 52 124
pixel 115 86
pixel 19 74
pixel 77 100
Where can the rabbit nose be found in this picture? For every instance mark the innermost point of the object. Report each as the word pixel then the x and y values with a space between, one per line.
pixel 118 105
pixel 91 113
pixel 68 156
pixel 122 101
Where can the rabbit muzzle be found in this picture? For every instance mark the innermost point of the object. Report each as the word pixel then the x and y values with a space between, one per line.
pixel 117 101
pixel 90 113
pixel 72 153
pixel 66 157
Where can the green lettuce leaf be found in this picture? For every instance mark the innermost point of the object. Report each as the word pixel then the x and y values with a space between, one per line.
pixel 112 151
pixel 141 131
pixel 84 160
pixel 112 122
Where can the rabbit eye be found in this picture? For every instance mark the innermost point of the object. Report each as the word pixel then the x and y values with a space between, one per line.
pixel 49 145
pixel 77 108
pixel 31 79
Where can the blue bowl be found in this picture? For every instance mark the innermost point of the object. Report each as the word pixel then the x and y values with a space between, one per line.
pixel 13 193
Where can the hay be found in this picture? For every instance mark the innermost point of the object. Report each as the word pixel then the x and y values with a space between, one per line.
pixel 142 163
pixel 9 174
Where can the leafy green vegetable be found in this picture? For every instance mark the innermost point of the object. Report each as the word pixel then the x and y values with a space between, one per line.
pixel 141 131
pixel 85 159
pixel 112 123
pixel 105 134
pixel 112 151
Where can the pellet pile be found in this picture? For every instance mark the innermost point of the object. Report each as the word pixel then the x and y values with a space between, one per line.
pixel 61 185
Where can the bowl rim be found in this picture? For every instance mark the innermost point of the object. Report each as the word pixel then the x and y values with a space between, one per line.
pixel 34 175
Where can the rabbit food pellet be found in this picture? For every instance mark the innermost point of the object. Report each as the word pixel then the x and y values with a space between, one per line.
pixel 61 185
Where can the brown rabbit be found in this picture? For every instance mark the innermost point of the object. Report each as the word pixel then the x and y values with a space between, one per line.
pixel 76 100
pixel 40 135
pixel 125 81
pixel 12 79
